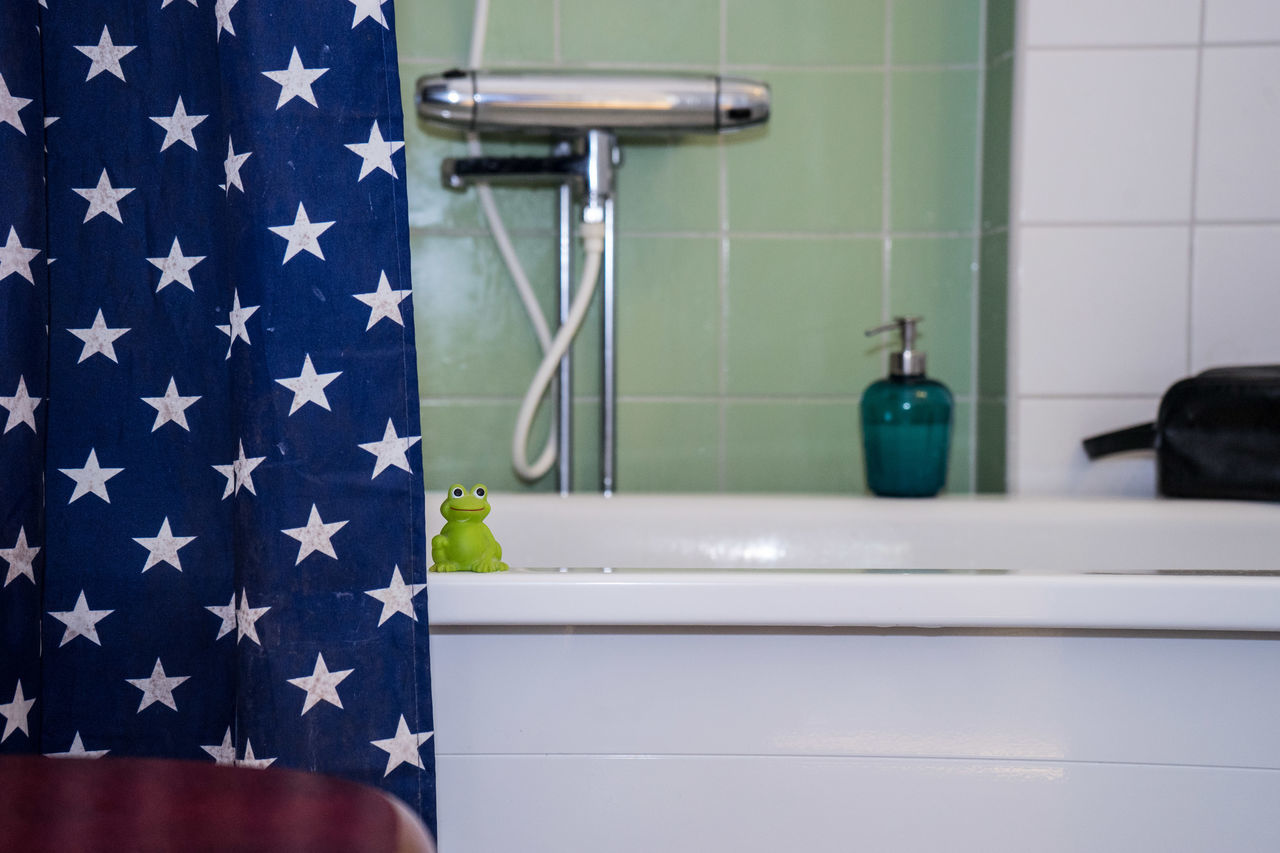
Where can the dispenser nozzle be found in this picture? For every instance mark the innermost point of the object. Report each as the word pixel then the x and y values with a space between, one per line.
pixel 908 361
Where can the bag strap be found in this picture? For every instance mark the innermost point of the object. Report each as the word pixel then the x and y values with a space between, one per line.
pixel 1140 437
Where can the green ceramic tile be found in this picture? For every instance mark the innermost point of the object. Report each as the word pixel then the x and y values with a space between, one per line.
pixel 993 315
pixel 806 32
pixel 683 32
pixel 933 160
pixel 997 138
pixel 1001 17
pixel 816 167
pixel 668 316
pixel 932 277
pixel 936 32
pixel 586 446
pixel 471 443
pixel 793 447
pixel 669 185
pixel 960 459
pixel 668 447
pixel 797 309
pixel 473 336
pixel 991 463
pixel 518 31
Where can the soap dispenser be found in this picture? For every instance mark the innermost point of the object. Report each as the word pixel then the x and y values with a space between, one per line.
pixel 906 423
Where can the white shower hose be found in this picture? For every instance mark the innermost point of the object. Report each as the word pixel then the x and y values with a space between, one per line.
pixel 593 245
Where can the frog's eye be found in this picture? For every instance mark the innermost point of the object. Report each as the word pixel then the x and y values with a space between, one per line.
pixel 456 492
pixel 478 491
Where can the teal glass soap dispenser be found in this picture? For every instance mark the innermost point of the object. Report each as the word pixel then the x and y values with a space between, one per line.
pixel 906 423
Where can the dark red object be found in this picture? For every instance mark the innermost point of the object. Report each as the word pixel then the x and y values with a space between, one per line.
pixel 141 805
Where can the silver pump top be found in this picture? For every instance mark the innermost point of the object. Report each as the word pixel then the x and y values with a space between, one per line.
pixel 908 361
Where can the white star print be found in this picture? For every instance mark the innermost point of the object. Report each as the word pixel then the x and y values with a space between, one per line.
pixel 163 547
pixel 302 235
pixel 250 760
pixel 224 753
pixel 295 81
pixel 167 2
pixel 308 387
pixel 391 451
pixel 170 407
pixel 77 750
pixel 246 616
pixel 15 714
pixel 21 407
pixel 80 621
pixel 232 167
pixel 238 317
pixel 396 597
pixel 9 106
pixel 15 259
pixel 222 13
pixel 103 198
pixel 321 685
pixel 239 473
pixel 178 127
pixel 315 535
pixel 21 559
pixel 105 55
pixel 403 747
pixel 176 267
pixel 376 153
pixel 158 687
pixel 369 9
pixel 383 302
pixel 98 338
pixel 227 613
pixel 91 478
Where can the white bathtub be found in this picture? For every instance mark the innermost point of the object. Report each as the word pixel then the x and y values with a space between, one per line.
pixel 764 674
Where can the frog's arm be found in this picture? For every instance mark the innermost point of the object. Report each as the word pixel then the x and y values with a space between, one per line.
pixel 439 548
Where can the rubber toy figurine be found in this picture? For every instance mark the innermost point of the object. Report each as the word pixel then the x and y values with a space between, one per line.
pixel 465 544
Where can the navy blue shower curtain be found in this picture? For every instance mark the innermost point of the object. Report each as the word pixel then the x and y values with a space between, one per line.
pixel 211 505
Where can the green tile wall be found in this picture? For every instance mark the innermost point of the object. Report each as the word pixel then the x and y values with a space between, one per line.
pixel 747 265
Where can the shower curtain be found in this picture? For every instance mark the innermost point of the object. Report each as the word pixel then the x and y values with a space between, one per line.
pixel 211 506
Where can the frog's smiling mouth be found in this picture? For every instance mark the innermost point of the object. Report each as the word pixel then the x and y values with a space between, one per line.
pixel 460 509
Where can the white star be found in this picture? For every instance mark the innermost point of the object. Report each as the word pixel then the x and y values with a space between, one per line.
pixel 21 558
pixel 77 750
pixel 315 535
pixel 396 597
pixel 98 338
pixel 403 748
pixel 295 81
pixel 232 165
pixel 376 153
pixel 308 387
pixel 176 267
pixel 369 9
pixel 246 616
pixel 224 753
pixel 249 760
pixel 163 547
pixel 302 235
pixel 105 55
pixel 80 621
pixel 222 13
pixel 91 478
pixel 391 451
pixel 158 687
pixel 239 473
pixel 178 127
pixel 15 713
pixel 238 317
pixel 104 198
pixel 227 613
pixel 383 302
pixel 21 407
pixel 170 407
pixel 321 685
pixel 164 3
pixel 9 106
pixel 15 259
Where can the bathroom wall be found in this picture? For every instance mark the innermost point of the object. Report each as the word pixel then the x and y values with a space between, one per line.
pixel 748 265
pixel 1146 224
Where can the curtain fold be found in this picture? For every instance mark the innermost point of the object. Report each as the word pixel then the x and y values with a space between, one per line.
pixel 230 527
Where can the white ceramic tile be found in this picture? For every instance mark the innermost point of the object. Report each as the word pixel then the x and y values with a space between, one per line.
pixel 1107 22
pixel 1050 460
pixel 1241 20
pixel 1238 174
pixel 1101 310
pixel 1106 135
pixel 753 804
pixel 1236 296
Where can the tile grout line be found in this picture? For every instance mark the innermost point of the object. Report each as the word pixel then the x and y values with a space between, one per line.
pixel 753 67
pixel 1189 45
pixel 450 231
pixel 886 147
pixel 976 256
pixel 1195 183
pixel 722 284
pixel 556 54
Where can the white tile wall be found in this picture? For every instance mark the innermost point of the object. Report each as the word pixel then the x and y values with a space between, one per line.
pixel 1145 233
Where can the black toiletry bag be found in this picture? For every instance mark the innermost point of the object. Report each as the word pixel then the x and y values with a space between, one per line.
pixel 1217 435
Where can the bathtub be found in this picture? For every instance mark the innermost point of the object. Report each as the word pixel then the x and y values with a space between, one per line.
pixel 821 674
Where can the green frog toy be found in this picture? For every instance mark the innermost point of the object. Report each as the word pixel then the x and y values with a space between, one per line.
pixel 465 544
